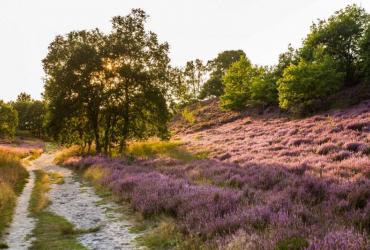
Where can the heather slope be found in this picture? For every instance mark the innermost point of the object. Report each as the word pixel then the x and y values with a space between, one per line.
pixel 250 182
pixel 330 145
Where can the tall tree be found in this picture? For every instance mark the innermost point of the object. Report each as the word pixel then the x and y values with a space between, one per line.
pixel 214 86
pixel 108 88
pixel 341 35
pixel 72 88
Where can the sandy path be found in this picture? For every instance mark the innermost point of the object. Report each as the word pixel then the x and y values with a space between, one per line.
pixel 82 207
pixel 79 205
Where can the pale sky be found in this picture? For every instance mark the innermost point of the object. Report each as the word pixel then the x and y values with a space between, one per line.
pixel 193 28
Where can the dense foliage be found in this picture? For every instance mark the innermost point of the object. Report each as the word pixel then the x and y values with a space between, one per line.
pixel 334 55
pixel 247 84
pixel 305 87
pixel 31 114
pixel 340 35
pixel 8 120
pixel 217 67
pixel 110 88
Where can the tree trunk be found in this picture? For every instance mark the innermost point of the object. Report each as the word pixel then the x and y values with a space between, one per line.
pixel 126 117
pixel 107 134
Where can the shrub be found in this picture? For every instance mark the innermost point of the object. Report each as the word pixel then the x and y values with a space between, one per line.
pixel 238 81
pixel 304 87
pixel 188 116
pixel 12 179
pixel 8 121
pixel 326 148
pixel 263 90
pixel 346 239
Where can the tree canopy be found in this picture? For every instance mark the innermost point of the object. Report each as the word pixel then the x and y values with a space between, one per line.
pixel 108 88
pixel 341 35
pixel 31 114
pixel 214 86
pixel 8 120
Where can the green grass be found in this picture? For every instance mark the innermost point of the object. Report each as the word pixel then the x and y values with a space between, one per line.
pixel 188 116
pixel 54 232
pixel 161 233
pixel 51 231
pixel 155 148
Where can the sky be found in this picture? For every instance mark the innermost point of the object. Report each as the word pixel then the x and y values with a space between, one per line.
pixel 193 28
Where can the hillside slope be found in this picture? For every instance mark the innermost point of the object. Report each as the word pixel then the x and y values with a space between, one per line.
pixel 335 144
pixel 309 177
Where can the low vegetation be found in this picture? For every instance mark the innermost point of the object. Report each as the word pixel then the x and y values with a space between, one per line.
pixel 259 177
pixel 13 177
pixel 234 178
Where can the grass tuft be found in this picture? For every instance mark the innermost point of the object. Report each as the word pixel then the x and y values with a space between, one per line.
pixel 171 149
pixel 52 231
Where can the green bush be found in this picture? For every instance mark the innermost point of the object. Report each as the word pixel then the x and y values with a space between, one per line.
pixel 8 120
pixel 188 116
pixel 304 87
pixel 294 243
pixel 246 84
pixel 263 90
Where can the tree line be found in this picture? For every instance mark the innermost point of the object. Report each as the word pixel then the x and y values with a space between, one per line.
pixel 104 89
pixel 24 116
pixel 334 56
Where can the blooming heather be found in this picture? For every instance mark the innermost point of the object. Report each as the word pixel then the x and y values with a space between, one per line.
pixel 267 182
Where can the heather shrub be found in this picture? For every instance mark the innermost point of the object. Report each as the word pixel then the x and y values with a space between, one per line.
pixel 326 148
pixel 359 197
pixel 346 239
pixel 340 156
pixel 312 191
pixel 363 219
pixel 359 126
pixel 354 146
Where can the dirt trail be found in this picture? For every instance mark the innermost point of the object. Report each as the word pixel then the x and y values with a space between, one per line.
pixel 83 208
pixel 22 225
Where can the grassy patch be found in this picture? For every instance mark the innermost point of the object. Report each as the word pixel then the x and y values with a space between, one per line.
pixel 188 116
pixel 55 232
pixel 51 231
pixel 66 153
pixel 155 148
pixel 161 233
pixel 13 177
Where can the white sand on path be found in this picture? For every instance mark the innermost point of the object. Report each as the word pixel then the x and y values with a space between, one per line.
pixel 83 208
